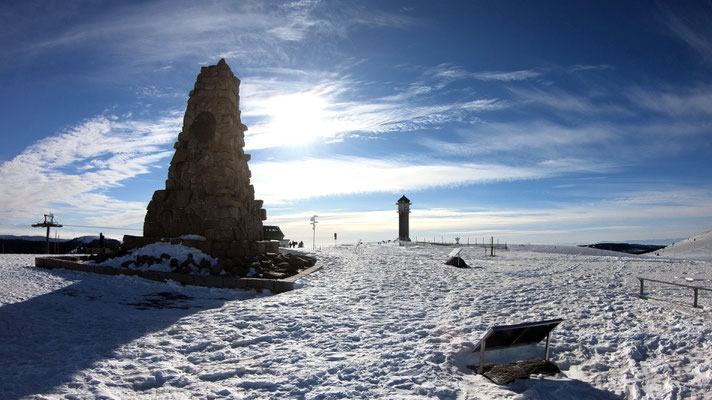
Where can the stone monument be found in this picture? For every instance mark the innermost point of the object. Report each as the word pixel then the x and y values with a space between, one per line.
pixel 208 192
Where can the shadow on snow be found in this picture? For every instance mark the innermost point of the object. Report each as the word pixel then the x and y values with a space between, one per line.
pixel 46 340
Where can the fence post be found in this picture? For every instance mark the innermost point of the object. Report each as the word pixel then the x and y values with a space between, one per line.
pixel 695 302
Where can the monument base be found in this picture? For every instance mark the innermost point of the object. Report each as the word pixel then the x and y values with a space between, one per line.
pixel 217 249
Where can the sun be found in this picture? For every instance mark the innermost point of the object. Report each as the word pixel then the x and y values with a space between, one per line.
pixel 300 118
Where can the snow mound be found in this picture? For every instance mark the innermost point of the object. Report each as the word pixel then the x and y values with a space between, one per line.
pixel 698 247
pixel 155 250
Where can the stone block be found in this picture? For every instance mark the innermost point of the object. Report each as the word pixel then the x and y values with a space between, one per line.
pixel 273 247
pixel 234 283
pixel 99 269
pixel 190 243
pixel 183 279
pixel 159 196
pixel 220 235
pixel 157 276
pixel 179 198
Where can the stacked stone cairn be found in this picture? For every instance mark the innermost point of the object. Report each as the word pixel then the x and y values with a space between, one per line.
pixel 208 202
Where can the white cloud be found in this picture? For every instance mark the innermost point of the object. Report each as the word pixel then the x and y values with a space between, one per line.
pixel 506 76
pixel 677 102
pixel 72 170
pixel 328 108
pixel 256 32
pixel 632 215
pixel 448 72
pixel 693 29
pixel 276 184
pixel 556 99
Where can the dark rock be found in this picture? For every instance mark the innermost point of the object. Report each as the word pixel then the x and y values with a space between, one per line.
pixel 274 275
pixel 185 265
pixel 282 266
pixel 503 374
pixel 308 261
pixel 240 270
pixel 146 259
pixel 457 262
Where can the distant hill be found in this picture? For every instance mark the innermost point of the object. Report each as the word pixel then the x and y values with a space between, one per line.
pixel 698 247
pixel 36 244
pixel 28 238
pixel 630 248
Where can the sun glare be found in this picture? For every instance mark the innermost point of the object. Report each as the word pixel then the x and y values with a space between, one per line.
pixel 300 118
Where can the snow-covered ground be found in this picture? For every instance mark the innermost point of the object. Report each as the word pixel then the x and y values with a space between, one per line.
pixel 698 247
pixel 382 322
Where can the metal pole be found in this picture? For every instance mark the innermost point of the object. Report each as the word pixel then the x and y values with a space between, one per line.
pixel 546 353
pixel 313 222
pixel 695 302
pixel 482 357
pixel 47 241
pixel 641 288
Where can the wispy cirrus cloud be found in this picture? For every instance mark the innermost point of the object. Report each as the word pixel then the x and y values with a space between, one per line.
pixel 534 141
pixel 329 109
pixel 452 72
pixel 506 76
pixel 674 102
pixel 72 170
pixel 595 131
pixel 565 102
pixel 693 28
pixel 263 33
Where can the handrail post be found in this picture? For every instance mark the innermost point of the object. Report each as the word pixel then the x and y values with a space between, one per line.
pixel 695 302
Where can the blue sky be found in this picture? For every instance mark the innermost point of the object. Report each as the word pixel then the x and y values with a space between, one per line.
pixel 534 122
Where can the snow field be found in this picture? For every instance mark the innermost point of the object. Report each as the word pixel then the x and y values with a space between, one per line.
pixel 698 247
pixel 383 322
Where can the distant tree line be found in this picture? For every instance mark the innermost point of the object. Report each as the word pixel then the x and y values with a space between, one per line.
pixel 23 246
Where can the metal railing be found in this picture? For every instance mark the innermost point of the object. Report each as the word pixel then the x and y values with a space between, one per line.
pixel 696 289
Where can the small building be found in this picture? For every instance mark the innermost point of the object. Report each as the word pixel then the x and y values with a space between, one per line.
pixel 272 232
pixel 403 225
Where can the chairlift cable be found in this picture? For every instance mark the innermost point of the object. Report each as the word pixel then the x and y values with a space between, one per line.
pixel 103 227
